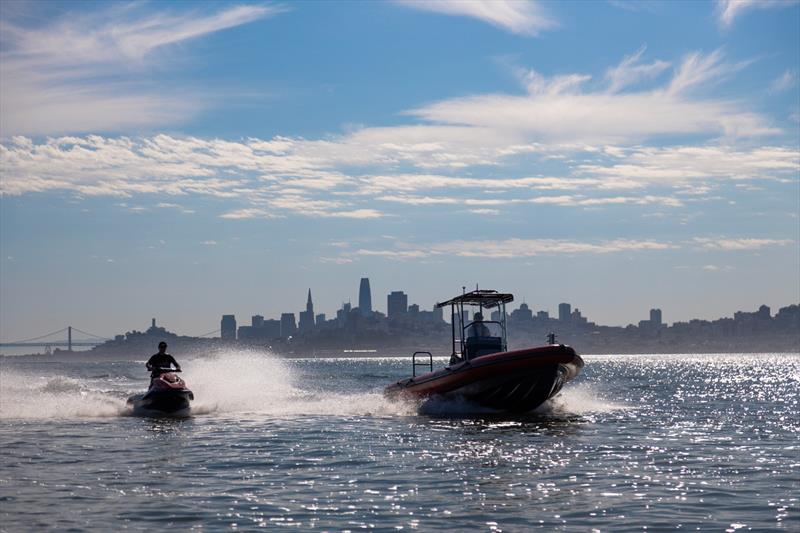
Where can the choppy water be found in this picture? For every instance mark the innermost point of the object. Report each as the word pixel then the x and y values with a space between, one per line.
pixel 637 443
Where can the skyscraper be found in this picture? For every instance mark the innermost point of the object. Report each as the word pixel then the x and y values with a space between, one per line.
pixel 364 298
pixel 288 325
pixel 396 304
pixel 307 316
pixel 655 317
pixel 564 312
pixel 227 328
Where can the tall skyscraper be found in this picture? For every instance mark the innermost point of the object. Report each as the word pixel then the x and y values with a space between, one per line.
pixel 288 325
pixel 364 298
pixel 564 312
pixel 655 317
pixel 396 304
pixel 307 316
pixel 227 328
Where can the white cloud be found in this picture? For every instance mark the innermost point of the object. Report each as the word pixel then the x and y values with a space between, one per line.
pixel 698 70
pixel 580 201
pixel 246 213
pixel 562 200
pixel 630 71
pixel 522 248
pixel 716 268
pixel 680 164
pixel 210 243
pixel 306 181
pixel 738 244
pixel 89 72
pixel 540 85
pixel 784 82
pixel 513 248
pixel 556 110
pixel 729 10
pixel 524 17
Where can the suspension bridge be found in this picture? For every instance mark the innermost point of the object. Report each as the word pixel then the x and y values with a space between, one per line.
pixel 64 338
pixel 57 339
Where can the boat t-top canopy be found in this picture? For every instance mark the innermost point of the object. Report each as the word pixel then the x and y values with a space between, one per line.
pixel 471 339
pixel 481 297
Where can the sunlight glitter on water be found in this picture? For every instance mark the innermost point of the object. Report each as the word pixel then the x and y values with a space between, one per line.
pixel 659 441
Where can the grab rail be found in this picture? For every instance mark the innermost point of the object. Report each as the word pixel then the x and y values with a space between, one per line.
pixel 415 364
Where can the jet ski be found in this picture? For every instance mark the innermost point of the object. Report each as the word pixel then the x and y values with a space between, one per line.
pixel 167 395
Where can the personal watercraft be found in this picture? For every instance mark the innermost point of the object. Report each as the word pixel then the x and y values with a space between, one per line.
pixel 167 395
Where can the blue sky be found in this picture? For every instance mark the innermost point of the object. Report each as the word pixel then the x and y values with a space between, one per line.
pixel 184 160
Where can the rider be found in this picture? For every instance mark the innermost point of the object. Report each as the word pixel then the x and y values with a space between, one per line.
pixel 478 328
pixel 161 360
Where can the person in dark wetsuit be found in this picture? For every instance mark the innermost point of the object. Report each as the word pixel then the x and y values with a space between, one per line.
pixel 161 360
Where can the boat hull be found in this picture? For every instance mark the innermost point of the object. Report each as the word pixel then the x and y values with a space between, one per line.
pixel 516 381
pixel 169 402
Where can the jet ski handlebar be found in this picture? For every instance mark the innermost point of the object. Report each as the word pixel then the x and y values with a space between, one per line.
pixel 164 369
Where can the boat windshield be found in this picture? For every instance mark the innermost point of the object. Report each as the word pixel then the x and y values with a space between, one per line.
pixel 483 328
pixel 472 339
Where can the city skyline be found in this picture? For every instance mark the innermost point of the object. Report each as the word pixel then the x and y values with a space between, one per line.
pixel 180 159
pixel 566 312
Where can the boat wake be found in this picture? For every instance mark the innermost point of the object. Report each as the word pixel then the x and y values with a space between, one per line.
pixel 25 397
pixel 236 383
pixel 244 383
pixel 241 383
pixel 574 400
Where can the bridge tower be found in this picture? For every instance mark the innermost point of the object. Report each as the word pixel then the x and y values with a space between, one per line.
pixel 69 338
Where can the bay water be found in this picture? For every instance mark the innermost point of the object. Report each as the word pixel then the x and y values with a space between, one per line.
pixel 636 443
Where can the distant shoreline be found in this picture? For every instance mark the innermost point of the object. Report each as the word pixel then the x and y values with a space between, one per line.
pixel 80 357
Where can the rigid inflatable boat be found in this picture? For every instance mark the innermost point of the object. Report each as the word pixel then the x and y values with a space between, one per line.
pixel 482 370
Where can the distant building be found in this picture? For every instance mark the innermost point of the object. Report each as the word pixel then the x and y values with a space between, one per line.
pixel 413 309
pixel 288 325
pixel 307 316
pixel 320 320
pixel 523 314
pixel 564 312
pixel 271 329
pixel 155 330
pixel 577 318
pixel 543 315
pixel 261 330
pixel 365 298
pixel 227 328
pixel 655 318
pixel 246 333
pixel 396 304
pixel 343 314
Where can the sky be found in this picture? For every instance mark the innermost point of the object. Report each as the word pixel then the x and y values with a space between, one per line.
pixel 184 160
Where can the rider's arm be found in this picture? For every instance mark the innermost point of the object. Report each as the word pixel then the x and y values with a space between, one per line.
pixel 174 362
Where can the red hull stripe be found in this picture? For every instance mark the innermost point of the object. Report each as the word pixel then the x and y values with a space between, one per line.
pixel 490 366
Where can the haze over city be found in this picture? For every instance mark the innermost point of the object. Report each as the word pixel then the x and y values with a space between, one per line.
pixel 189 160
